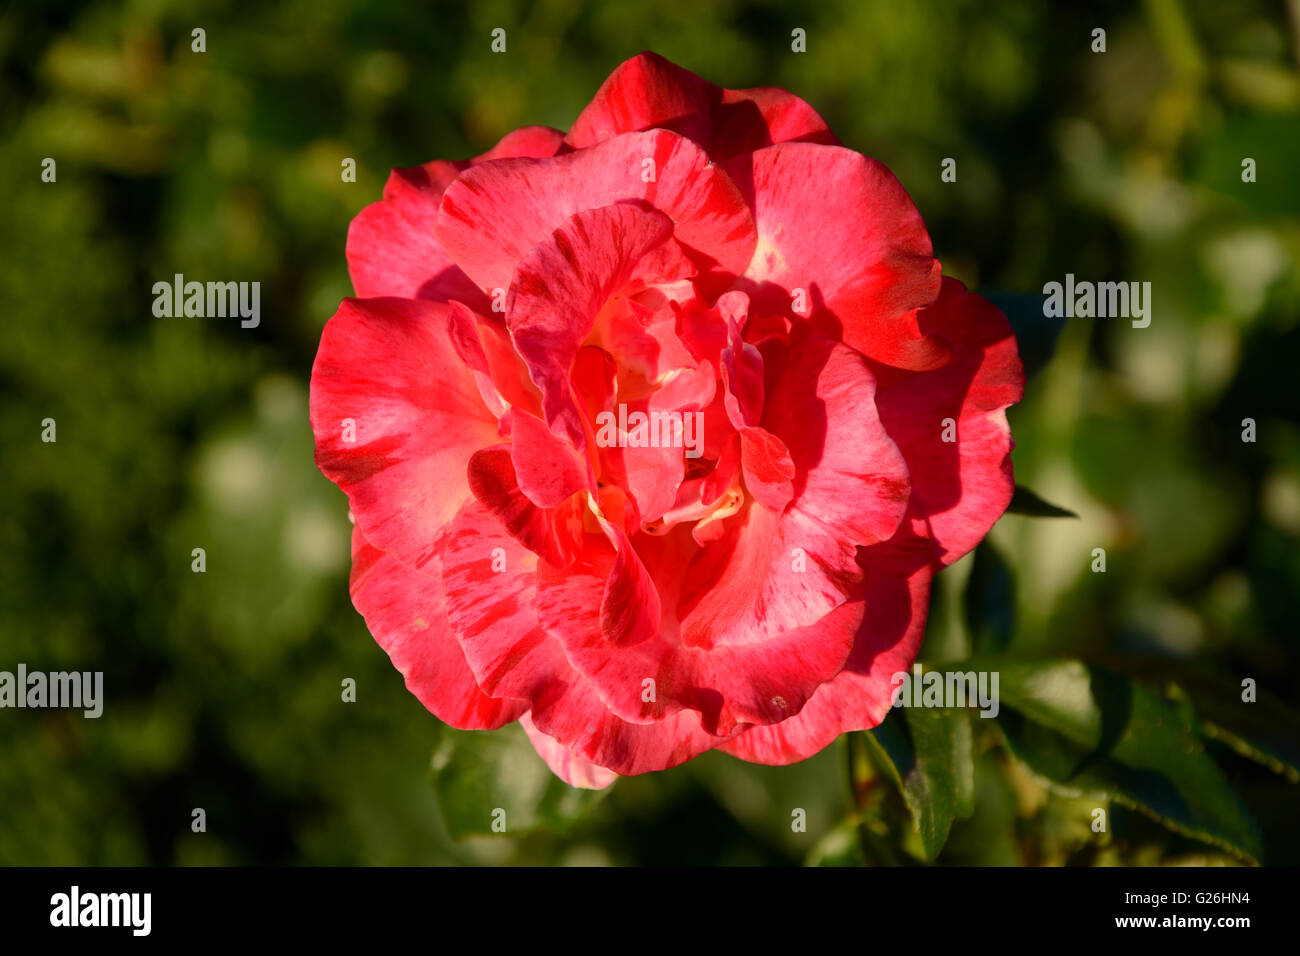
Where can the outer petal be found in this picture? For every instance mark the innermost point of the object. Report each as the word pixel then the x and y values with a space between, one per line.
pixel 960 487
pixel 529 141
pixel 859 696
pixel 494 615
pixel 494 214
pixel 743 682
pixel 406 613
pixel 865 266
pixel 391 249
pixel 574 715
pixel 388 365
pixel 491 586
pixel 648 91
pixel 564 763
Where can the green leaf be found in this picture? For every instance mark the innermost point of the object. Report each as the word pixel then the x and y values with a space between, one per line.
pixel 1090 731
pixel 1025 502
pixel 1265 730
pixel 927 753
pixel 1036 333
pixel 989 601
pixel 476 774
pixel 989 837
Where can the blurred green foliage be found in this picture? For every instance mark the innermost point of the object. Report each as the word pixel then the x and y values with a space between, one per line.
pixel 223 688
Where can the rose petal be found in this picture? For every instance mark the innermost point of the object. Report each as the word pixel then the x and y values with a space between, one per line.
pixel 742 373
pixel 630 609
pixel 548 468
pixel 864 268
pixel 851 477
pixel 760 681
pixel 491 603
pixel 389 367
pixel 494 214
pixel 767 575
pixel 554 533
pixel 391 249
pixel 769 471
pixel 960 487
pixel 490 584
pixel 564 763
pixel 859 697
pixel 648 91
pixel 574 715
pixel 406 613
pixel 559 288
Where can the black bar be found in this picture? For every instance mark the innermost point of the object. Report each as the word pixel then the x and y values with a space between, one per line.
pixel 438 906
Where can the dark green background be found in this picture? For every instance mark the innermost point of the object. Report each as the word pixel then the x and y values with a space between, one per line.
pixel 223 687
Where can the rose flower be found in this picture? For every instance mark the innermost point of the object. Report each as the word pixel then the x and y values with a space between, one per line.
pixel 655 432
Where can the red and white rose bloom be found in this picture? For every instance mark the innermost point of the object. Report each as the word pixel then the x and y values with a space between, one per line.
pixel 682 249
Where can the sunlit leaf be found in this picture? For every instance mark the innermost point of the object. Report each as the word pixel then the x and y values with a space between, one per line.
pixel 927 754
